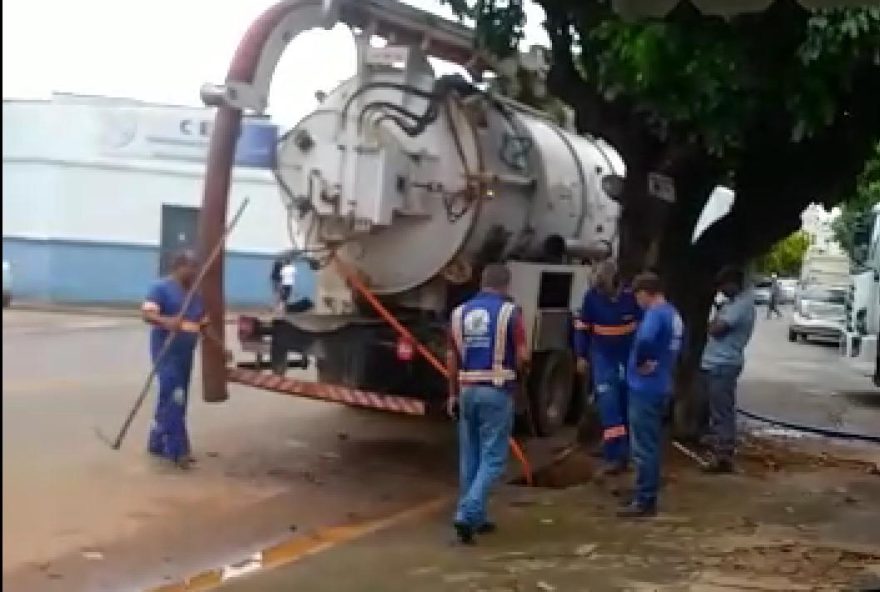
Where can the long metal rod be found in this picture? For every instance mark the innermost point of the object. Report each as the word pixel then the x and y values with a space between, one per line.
pixel 163 351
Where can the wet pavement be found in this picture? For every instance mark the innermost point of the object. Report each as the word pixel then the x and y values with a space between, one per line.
pixel 78 516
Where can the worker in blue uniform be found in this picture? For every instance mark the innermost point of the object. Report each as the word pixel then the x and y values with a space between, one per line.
pixel 162 309
pixel 604 331
pixel 652 361
pixel 486 357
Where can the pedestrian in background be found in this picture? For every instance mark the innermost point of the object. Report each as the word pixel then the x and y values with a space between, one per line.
pixel 275 277
pixel 730 330
pixel 775 296
pixel 605 328
pixel 652 360
pixel 486 358
pixel 288 278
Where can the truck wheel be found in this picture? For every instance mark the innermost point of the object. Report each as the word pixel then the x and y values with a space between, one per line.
pixel 792 336
pixel 550 391
pixel 580 399
pixel 877 369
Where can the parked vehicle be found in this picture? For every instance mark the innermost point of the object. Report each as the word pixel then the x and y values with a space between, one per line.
pixel 825 269
pixel 7 283
pixel 399 217
pixel 762 291
pixel 820 313
pixel 788 288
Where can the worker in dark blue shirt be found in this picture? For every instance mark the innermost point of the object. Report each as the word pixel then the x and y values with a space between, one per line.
pixel 163 309
pixel 652 360
pixel 604 331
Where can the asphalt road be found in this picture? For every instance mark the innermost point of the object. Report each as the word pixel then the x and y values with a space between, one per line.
pixel 805 383
pixel 77 516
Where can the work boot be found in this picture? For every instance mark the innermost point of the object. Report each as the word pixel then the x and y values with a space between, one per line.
pixel 464 532
pixel 487 528
pixel 718 466
pixel 636 510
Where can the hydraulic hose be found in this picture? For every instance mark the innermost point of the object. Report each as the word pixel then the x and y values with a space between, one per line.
pixel 819 431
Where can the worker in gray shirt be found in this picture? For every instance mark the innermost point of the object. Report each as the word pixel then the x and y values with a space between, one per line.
pixel 729 331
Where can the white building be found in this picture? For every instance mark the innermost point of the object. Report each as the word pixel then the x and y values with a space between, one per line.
pixel 97 192
pixel 816 223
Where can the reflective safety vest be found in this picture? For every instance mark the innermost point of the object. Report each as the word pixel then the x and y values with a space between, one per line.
pixel 482 329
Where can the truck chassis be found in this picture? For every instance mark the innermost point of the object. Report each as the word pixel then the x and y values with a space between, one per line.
pixel 370 364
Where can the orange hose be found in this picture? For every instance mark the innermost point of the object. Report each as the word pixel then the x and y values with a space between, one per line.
pixel 352 278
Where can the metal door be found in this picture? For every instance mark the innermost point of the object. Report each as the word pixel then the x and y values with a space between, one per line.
pixel 179 231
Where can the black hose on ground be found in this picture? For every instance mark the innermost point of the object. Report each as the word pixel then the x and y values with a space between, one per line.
pixel 819 431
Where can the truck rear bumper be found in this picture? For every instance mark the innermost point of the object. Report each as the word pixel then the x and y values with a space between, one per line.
pixel 358 365
pixel 326 392
pixel 816 328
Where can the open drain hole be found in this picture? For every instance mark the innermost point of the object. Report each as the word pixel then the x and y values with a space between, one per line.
pixel 574 469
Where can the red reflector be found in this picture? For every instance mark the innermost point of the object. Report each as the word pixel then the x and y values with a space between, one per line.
pixel 246 327
pixel 404 350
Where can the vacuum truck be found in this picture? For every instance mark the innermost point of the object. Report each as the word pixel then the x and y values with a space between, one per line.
pixel 400 187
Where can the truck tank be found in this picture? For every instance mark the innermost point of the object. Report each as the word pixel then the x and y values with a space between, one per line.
pixel 417 181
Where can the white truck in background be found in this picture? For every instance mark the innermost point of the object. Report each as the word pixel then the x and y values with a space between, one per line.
pixel 819 310
pixel 859 343
pixel 824 269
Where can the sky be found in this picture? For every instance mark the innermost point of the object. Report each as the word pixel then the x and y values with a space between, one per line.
pixel 164 50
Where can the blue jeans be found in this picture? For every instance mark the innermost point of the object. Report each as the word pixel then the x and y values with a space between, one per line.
pixel 646 427
pixel 610 389
pixel 720 383
pixel 484 426
pixel 168 435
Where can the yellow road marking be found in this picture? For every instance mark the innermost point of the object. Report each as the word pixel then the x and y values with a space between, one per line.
pixel 296 548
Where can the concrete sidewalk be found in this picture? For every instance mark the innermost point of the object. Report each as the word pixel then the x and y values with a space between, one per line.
pixel 786 522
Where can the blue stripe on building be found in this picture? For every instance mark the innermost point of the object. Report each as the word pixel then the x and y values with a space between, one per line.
pixel 73 271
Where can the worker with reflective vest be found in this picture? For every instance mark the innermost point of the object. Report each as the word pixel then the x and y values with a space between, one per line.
pixel 604 333
pixel 486 355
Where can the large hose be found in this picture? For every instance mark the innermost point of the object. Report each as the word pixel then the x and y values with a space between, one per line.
pixel 808 429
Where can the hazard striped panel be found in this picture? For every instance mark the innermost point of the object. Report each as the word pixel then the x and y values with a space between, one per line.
pixel 326 392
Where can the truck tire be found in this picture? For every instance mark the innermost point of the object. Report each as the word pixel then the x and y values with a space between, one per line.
pixel 792 336
pixel 550 390
pixel 876 377
pixel 580 399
